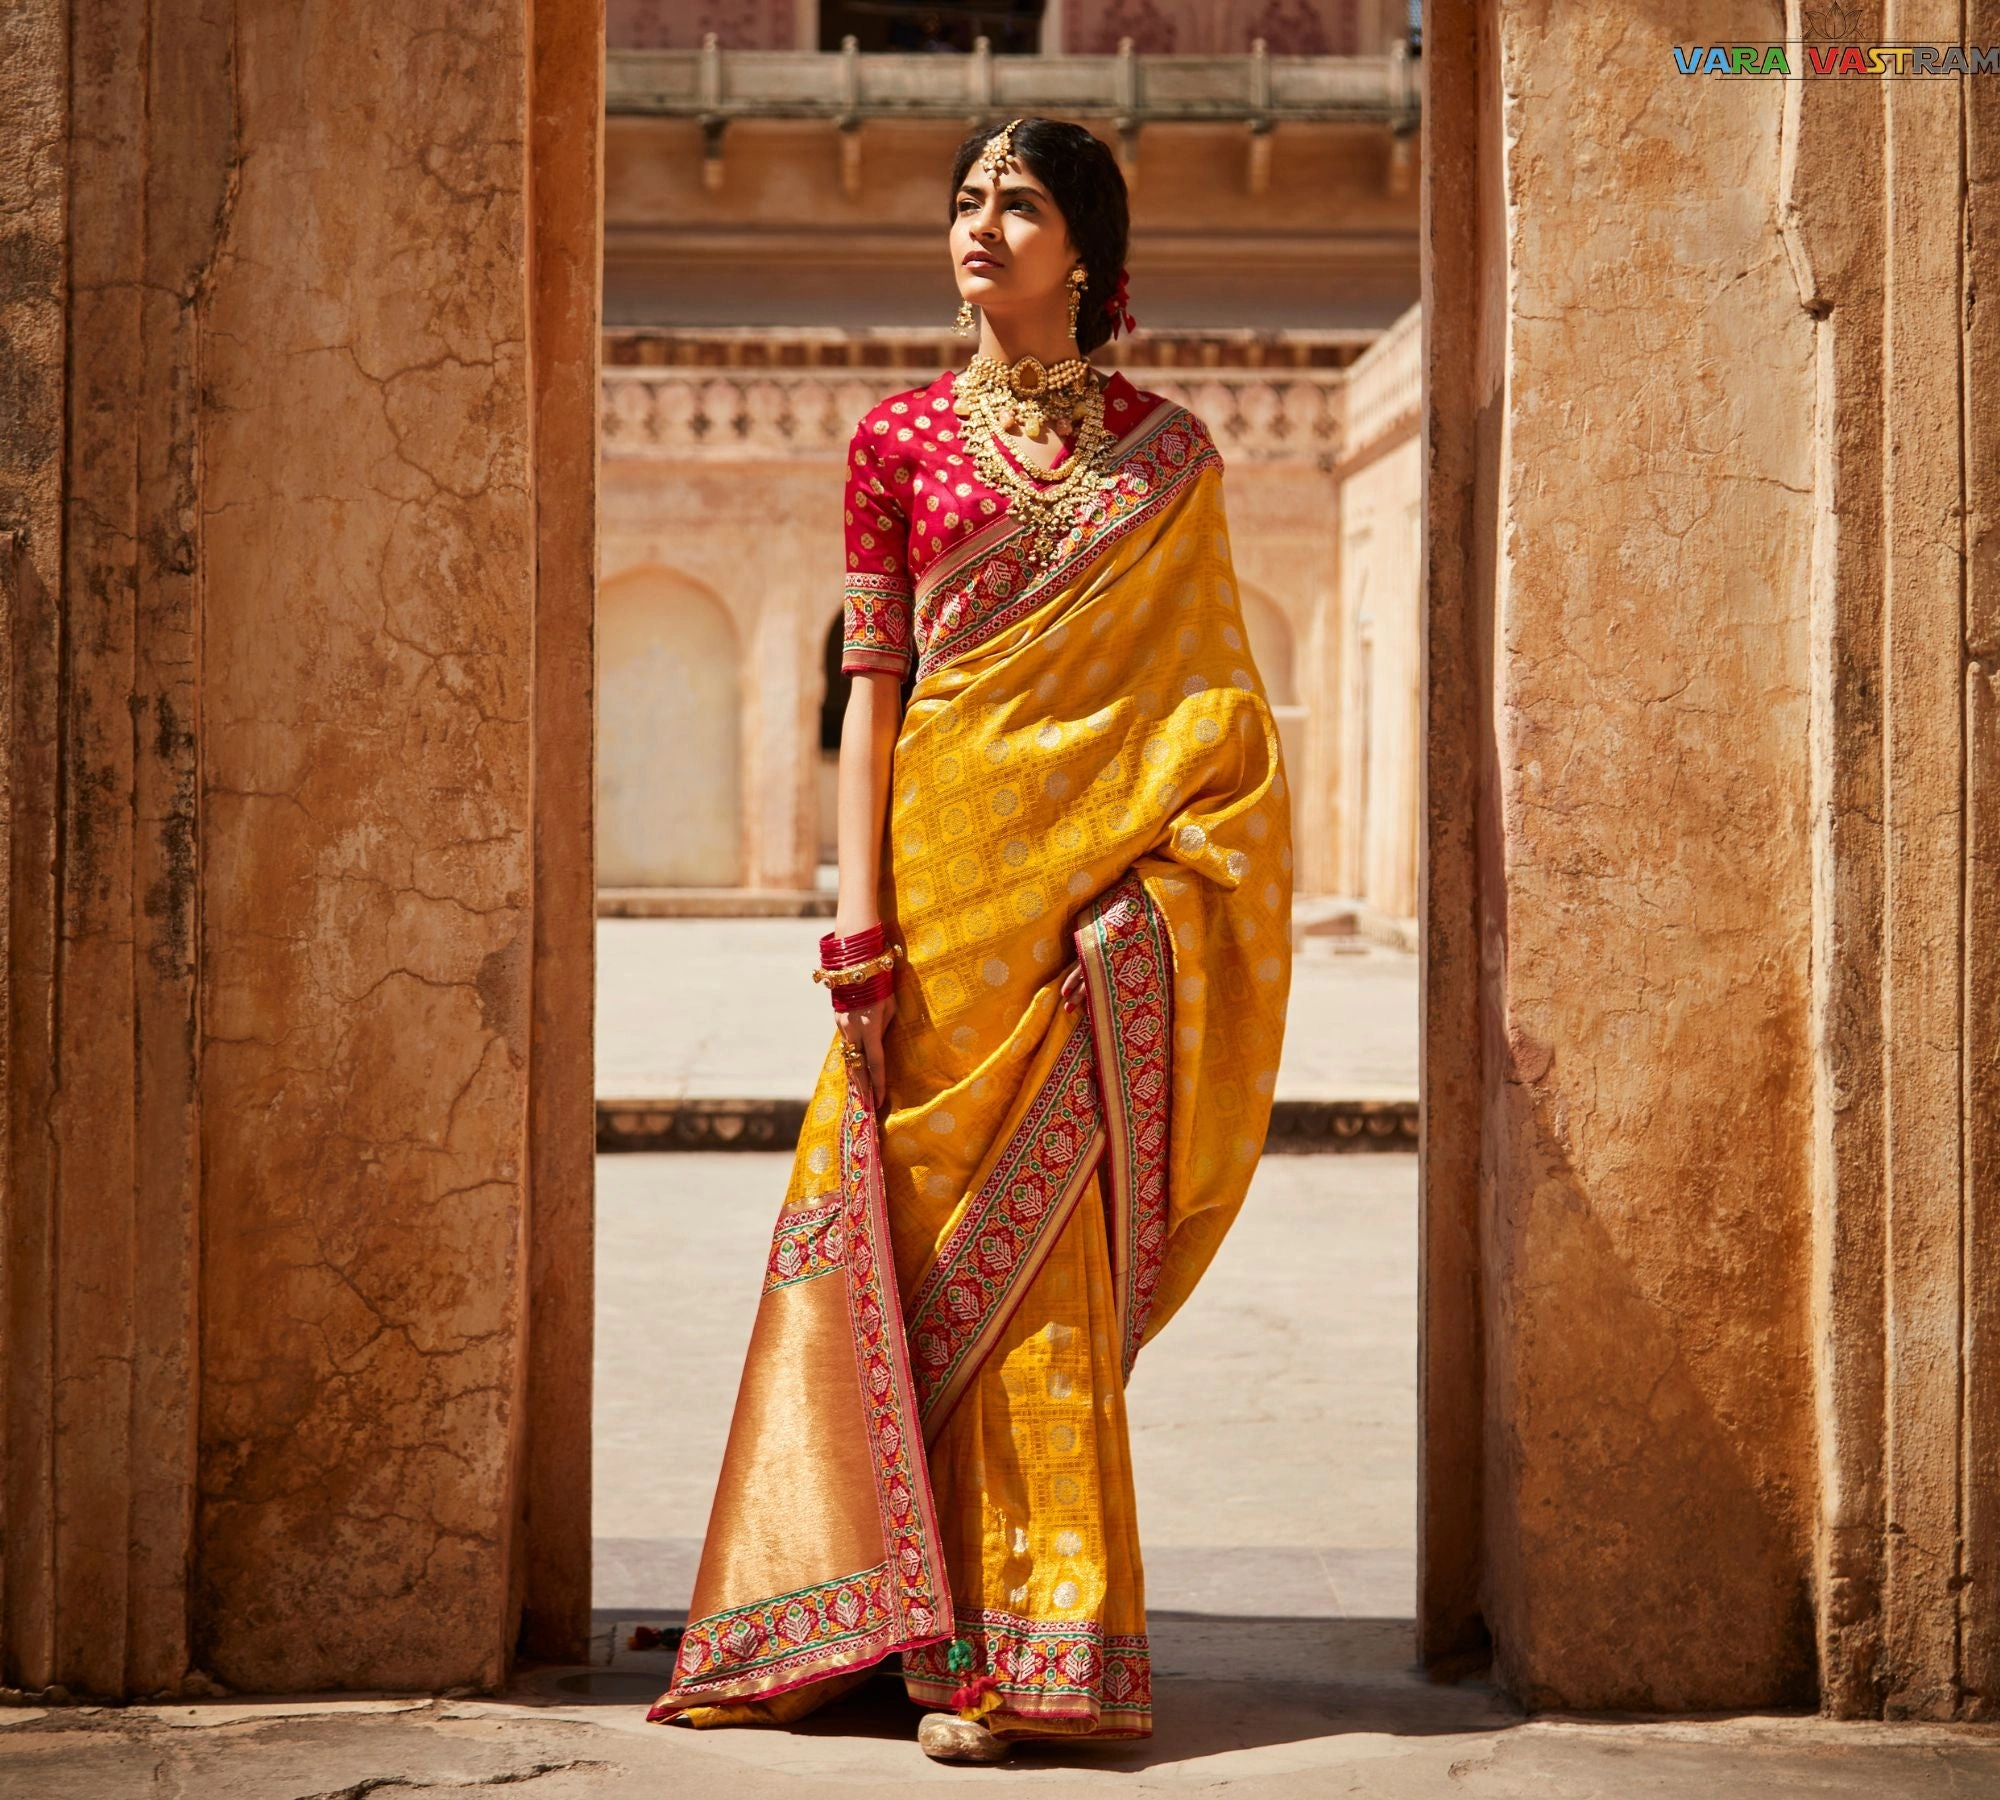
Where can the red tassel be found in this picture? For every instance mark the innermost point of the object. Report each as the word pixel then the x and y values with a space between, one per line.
pixel 976 1698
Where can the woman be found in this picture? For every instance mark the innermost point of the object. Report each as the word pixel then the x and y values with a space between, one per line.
pixel 1059 1009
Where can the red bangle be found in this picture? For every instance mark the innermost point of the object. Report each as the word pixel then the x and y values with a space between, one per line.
pixel 836 952
pixel 860 993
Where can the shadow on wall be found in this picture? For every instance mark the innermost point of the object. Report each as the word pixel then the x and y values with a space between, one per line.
pixel 669 735
pixel 1601 1614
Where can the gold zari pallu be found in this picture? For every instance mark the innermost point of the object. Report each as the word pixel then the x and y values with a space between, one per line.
pixel 930 1437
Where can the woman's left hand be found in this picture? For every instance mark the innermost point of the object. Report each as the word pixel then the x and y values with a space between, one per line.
pixel 862 1031
pixel 1073 994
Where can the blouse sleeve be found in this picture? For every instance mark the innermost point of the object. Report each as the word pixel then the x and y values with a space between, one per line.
pixel 875 626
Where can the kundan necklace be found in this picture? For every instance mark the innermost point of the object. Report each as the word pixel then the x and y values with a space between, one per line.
pixel 994 397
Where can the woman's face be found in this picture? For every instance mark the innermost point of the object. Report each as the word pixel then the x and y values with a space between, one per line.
pixel 1010 249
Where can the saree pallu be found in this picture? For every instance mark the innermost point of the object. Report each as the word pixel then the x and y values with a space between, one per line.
pixel 930 1437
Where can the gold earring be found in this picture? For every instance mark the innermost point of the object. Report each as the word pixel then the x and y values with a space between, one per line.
pixel 1079 278
pixel 967 325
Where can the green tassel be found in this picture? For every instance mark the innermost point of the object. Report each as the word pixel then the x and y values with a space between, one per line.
pixel 959 1657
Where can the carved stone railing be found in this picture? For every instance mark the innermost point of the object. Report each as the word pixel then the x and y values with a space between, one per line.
pixel 1385 387
pixel 715 86
pixel 663 413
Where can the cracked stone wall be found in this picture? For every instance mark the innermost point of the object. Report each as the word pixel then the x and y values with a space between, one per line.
pixel 299 738
pixel 1647 1217
pixel 1713 1301
pixel 366 905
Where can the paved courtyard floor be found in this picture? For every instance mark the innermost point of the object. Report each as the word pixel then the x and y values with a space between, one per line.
pixel 1274 1443
pixel 1273 1422
pixel 1347 1732
pixel 725 1009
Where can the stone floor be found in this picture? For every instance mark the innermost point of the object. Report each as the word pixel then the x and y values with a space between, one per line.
pixel 1385 1738
pixel 726 1009
pixel 1295 1356
pixel 1279 1595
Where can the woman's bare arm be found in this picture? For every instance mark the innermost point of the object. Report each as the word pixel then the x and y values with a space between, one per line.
pixel 867 746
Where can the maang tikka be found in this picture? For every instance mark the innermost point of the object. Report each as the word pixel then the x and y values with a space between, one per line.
pixel 999 152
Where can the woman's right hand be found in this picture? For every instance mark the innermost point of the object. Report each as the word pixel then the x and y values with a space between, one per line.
pixel 863 1028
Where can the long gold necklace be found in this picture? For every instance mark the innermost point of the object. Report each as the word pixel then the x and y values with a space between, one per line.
pixel 992 398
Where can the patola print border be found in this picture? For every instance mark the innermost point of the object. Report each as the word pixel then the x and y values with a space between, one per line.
pixel 769 1647
pixel 1044 1668
pixel 1005 1232
pixel 807 1244
pixel 922 1591
pixel 878 608
pixel 1166 452
pixel 1128 966
pixel 789 1637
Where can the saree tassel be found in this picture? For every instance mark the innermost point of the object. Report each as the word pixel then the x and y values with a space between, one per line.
pixel 977 1698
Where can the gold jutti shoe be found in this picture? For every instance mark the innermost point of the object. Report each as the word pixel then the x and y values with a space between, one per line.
pixel 945 1737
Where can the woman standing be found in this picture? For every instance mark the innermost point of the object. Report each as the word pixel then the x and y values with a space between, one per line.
pixel 1059 1010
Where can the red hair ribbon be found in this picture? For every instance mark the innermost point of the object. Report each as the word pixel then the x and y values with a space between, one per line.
pixel 1117 311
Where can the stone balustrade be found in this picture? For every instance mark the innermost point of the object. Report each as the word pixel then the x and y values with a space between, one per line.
pixel 665 413
pixel 716 85
pixel 1385 385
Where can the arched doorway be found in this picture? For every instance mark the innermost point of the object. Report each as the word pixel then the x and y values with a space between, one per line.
pixel 669 735
pixel 1271 643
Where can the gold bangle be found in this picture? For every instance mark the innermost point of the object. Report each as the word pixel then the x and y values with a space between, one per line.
pixel 853 972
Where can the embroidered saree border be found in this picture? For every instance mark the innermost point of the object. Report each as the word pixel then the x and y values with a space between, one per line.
pixel 1128 969
pixel 989 537
pixel 771 1646
pixel 806 1244
pixel 1168 449
pixel 902 1478
pixel 1005 1233
pixel 1045 1668
pixel 837 1620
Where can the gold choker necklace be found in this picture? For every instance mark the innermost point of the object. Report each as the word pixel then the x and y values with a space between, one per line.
pixel 1029 392
pixel 993 398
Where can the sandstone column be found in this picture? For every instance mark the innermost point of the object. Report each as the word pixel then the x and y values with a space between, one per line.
pixel 1712 669
pixel 301 317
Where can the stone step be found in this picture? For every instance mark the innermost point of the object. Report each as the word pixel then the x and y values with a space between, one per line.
pixel 1297 1126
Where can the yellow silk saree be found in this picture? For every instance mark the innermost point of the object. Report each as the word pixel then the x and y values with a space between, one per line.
pixel 929 1442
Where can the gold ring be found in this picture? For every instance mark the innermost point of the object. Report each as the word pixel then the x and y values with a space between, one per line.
pixel 852 1052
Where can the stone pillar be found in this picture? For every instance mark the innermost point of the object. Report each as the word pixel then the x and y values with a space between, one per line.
pixel 1892 250
pixel 298 840
pixel 551 1576
pixel 1710 1005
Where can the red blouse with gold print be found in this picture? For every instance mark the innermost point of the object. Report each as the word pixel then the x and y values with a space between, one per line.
pixel 915 503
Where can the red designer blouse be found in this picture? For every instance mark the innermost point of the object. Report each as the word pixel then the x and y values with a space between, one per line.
pixel 914 500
